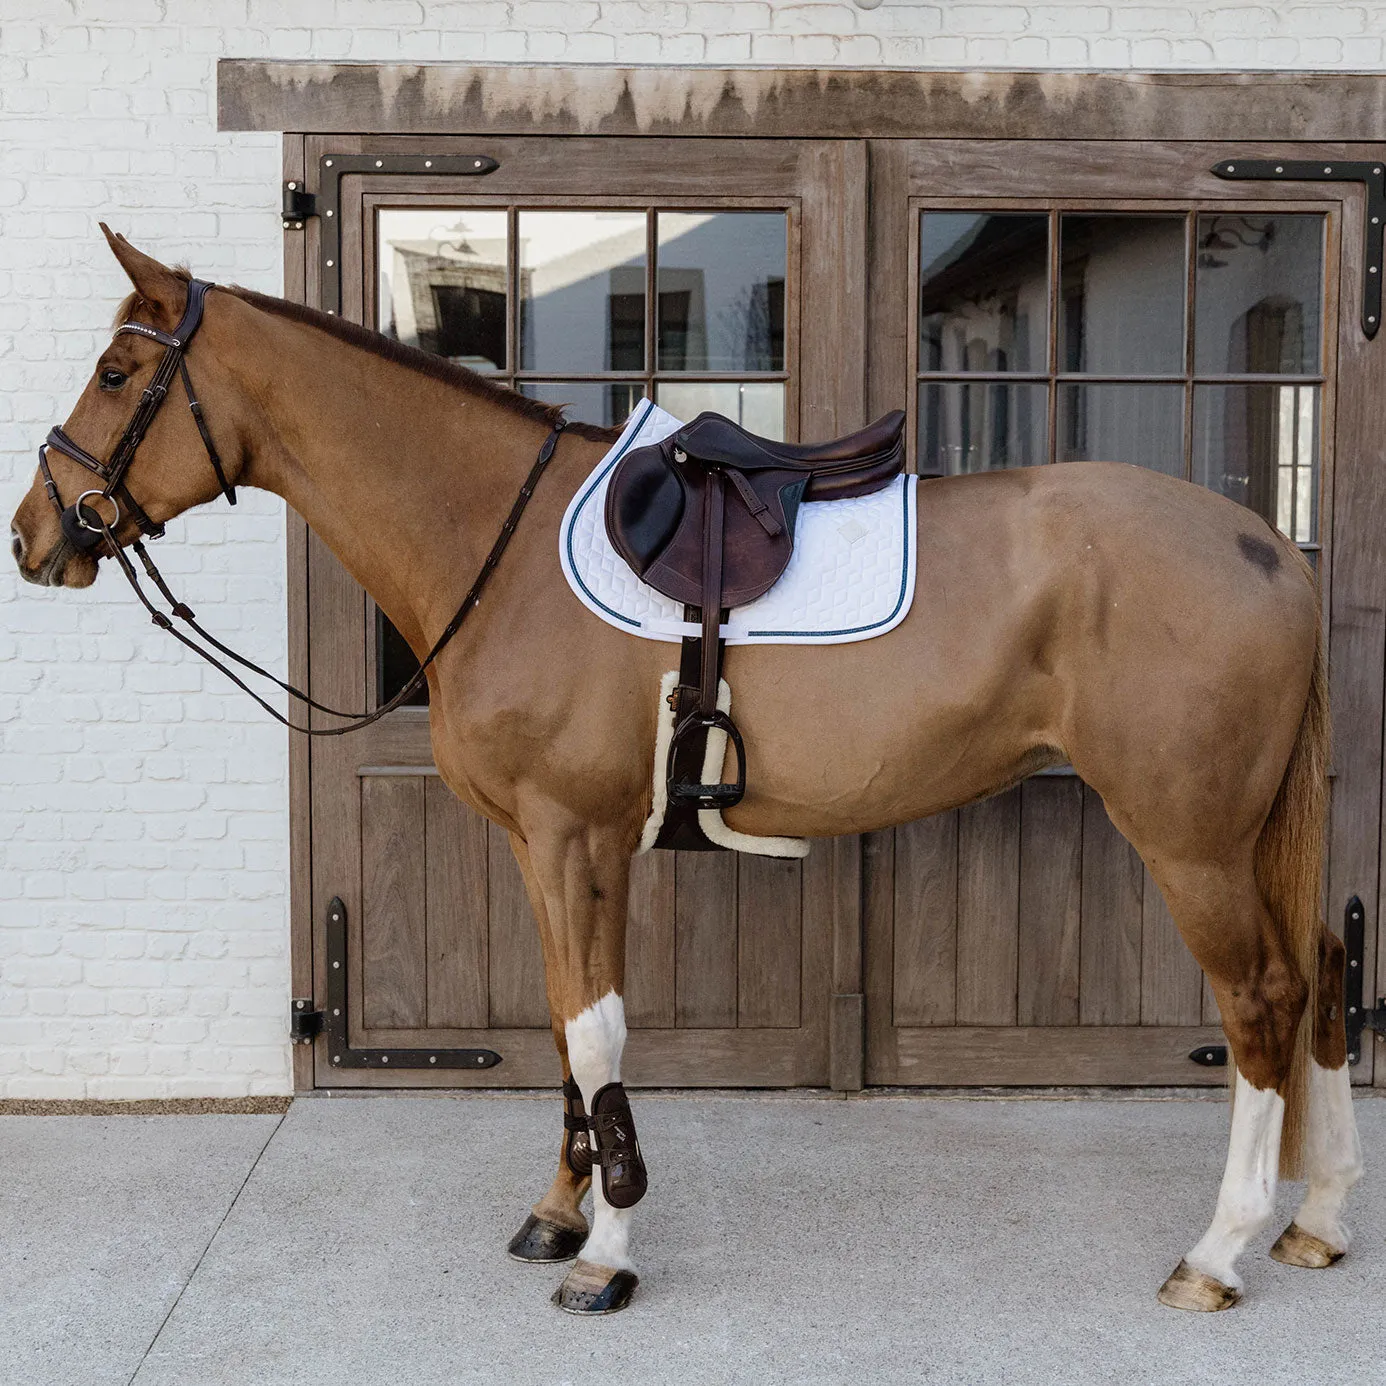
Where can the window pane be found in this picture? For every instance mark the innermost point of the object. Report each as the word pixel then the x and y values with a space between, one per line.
pixel 443 282
pixel 977 426
pixel 1141 424
pixel 756 405
pixel 720 283
pixel 582 291
pixel 1258 300
pixel 606 403
pixel 395 664
pixel 1121 309
pixel 1259 445
pixel 983 292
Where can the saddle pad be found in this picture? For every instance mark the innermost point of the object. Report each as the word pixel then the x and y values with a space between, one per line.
pixel 851 576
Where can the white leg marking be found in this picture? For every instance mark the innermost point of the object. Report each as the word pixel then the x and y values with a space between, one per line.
pixel 1332 1155
pixel 1247 1196
pixel 595 1041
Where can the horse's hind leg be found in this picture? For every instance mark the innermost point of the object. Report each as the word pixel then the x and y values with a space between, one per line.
pixel 555 1229
pixel 1262 997
pixel 1332 1151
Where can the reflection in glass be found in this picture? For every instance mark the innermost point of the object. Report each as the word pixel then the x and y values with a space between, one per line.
pixel 983 292
pixel 1121 305
pixel 442 282
pixel 977 426
pixel 1258 294
pixel 756 405
pixel 582 291
pixel 1259 445
pixel 720 283
pixel 1141 424
pixel 395 664
pixel 606 403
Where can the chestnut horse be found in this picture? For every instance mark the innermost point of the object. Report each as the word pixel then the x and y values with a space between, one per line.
pixel 1161 639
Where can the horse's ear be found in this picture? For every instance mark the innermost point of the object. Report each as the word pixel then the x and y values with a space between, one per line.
pixel 165 292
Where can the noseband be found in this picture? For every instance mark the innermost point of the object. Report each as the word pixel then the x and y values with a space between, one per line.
pixel 86 528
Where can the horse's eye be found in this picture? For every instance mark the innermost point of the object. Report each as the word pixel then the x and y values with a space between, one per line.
pixel 113 379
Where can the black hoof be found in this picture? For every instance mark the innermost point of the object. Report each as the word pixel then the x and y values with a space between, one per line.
pixel 589 1289
pixel 541 1241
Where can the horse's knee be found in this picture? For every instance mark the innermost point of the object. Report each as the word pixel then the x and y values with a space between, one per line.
pixel 1261 1013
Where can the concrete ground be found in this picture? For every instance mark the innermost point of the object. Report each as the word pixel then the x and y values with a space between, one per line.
pixel 785 1239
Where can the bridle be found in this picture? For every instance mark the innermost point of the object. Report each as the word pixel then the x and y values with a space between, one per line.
pixel 86 528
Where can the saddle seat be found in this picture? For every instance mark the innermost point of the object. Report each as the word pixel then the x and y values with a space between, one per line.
pixel 664 502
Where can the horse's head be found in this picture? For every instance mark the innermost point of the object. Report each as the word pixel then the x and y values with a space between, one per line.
pixel 56 534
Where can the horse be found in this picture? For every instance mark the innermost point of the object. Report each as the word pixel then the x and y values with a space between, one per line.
pixel 1162 640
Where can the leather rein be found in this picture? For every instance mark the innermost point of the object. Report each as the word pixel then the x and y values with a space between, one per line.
pixel 86 528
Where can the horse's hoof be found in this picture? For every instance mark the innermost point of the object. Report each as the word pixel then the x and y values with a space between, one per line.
pixel 540 1241
pixel 1296 1247
pixel 1188 1288
pixel 592 1289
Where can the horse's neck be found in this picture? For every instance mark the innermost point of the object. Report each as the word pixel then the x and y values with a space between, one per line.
pixel 405 478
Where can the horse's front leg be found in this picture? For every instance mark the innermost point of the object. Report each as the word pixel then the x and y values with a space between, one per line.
pixel 556 1229
pixel 583 875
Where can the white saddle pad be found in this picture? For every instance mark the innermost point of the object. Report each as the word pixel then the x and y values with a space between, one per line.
pixel 851 576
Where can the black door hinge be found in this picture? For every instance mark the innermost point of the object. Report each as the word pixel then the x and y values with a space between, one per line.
pixel 1358 1016
pixel 304 1021
pixel 1371 173
pixel 299 205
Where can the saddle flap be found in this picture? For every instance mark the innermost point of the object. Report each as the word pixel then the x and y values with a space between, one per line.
pixel 654 518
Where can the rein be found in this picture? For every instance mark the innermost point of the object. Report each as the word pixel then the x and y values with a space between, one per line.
pixel 86 528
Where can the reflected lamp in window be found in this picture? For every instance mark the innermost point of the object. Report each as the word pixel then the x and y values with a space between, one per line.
pixel 442 282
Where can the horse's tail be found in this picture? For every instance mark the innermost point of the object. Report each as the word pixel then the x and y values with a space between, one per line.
pixel 1289 871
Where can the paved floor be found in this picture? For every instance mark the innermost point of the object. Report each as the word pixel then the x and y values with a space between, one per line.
pixel 785 1239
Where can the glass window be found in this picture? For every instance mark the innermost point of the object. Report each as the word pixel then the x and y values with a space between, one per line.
pixel 1141 424
pixel 443 282
pixel 755 405
pixel 980 425
pixel 983 292
pixel 604 403
pixel 720 282
pixel 1258 294
pixel 1259 445
pixel 1121 292
pixel 582 291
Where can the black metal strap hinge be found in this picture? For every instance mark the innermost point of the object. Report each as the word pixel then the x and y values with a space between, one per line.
pixel 304 1022
pixel 1358 1016
pixel 299 205
pixel 340 1053
pixel 1371 173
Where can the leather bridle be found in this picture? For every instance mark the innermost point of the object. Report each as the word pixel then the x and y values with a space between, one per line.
pixel 86 528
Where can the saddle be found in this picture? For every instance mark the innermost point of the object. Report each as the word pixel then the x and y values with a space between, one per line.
pixel 707 518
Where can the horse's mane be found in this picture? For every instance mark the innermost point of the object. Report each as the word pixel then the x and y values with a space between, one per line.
pixel 390 349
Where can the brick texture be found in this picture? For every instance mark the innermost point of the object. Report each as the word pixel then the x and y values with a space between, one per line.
pixel 143 805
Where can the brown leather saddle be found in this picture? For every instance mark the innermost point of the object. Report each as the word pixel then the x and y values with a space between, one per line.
pixel 707 517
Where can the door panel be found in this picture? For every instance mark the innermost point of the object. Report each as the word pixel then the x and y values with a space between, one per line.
pixel 661 259
pixel 1021 940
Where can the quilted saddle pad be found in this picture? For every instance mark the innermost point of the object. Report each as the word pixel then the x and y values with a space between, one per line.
pixel 851 576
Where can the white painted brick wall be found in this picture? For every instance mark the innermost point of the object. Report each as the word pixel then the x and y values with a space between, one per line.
pixel 143 823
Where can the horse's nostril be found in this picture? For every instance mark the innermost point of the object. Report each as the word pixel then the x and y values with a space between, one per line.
pixel 17 545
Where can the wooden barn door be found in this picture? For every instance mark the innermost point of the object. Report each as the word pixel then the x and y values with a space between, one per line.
pixel 594 272
pixel 1041 302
